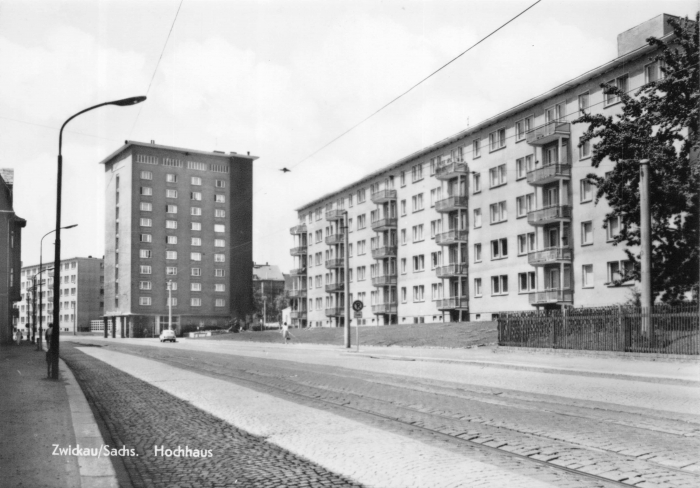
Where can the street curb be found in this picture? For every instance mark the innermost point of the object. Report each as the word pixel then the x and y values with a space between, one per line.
pixel 537 369
pixel 95 472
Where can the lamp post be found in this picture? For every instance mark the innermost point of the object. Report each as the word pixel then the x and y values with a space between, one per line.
pixel 41 264
pixel 57 256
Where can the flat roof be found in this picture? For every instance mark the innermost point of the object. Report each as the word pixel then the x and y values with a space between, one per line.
pixel 218 154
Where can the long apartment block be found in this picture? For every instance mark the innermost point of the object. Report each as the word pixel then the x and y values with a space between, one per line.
pixel 499 217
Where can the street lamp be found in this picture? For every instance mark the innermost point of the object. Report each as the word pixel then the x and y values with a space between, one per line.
pixel 41 287
pixel 57 256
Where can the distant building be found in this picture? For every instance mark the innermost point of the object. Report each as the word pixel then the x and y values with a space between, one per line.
pixel 81 297
pixel 182 217
pixel 10 256
pixel 269 279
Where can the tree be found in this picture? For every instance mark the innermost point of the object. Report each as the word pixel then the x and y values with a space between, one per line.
pixel 659 123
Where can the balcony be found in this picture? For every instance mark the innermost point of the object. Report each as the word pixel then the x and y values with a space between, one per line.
pixel 553 255
pixel 549 215
pixel 299 314
pixel 384 252
pixel 335 263
pixel 297 271
pixel 335 312
pixel 553 297
pixel 298 251
pixel 334 239
pixel 384 280
pixel 337 214
pixel 549 174
pixel 381 308
pixel 383 196
pixel 297 293
pixel 451 169
pixel 384 224
pixel 335 287
pixel 452 270
pixel 450 204
pixel 451 237
pixel 453 303
pixel 298 229
pixel 549 132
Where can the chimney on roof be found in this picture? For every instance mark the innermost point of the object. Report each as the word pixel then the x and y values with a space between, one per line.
pixel 637 36
pixel 153 141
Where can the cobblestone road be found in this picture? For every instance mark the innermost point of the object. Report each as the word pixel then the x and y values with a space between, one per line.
pixel 141 416
pixel 631 445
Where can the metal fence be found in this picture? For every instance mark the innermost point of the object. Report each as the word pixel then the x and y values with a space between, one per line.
pixel 662 330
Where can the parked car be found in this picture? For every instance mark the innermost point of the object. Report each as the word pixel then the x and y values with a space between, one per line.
pixel 167 335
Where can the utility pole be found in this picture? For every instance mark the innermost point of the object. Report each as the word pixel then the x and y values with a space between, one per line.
pixel 170 304
pixel 262 289
pixel 645 254
pixel 346 231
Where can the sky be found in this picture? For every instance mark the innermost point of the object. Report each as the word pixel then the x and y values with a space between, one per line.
pixel 278 78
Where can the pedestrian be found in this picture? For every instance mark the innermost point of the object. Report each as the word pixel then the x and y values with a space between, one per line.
pixel 49 351
pixel 285 332
pixel 18 335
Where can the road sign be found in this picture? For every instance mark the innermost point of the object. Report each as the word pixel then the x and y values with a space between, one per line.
pixel 358 315
pixel 357 305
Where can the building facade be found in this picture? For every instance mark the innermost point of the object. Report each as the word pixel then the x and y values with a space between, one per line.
pixel 81 297
pixel 10 257
pixel 499 217
pixel 178 224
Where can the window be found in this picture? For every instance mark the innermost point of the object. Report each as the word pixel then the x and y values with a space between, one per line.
pixel 403 207
pixel 220 184
pixel 146 175
pixel 171 224
pixel 497 176
pixel 584 149
pixel 176 163
pixel 617 271
pixel 146 222
pixel 196 272
pixel 499 285
pixel 144 301
pixel 219 243
pixel 171 209
pixel 195 287
pixel 417 173
pixel 499 248
pixel 522 244
pixel 196 180
pixel 146 190
pixel 499 212
pixel 196 302
pixel 523 166
pixel 196 256
pixel 361 195
pixel 219 287
pixel 219 273
pixel 219 302
pixel 435 259
pixel 196 211
pixel 476 180
pixel 145 237
pixel 477 287
pixel 171 178
pixel 219 212
pixel 219 198
pixel 586 233
pixel 477 218
pixel 436 291
pixel 612 228
pixel 145 253
pixel 171 302
pixel 587 274
pixel 171 239
pixel 361 273
pixel 583 102
pixel 171 270
pixel 555 112
pixel 403 265
pixel 418 263
pixel 219 258
pixel 522 126
pixel 527 282
pixel 361 221
pixel 361 247
pixel 476 148
pixel 477 253
pixel 170 255
pixel 524 204
pixel 586 191
pixel 497 139
pixel 652 72
pixel 417 233
pixel 418 292
pixel 142 158
pixel 435 228
pixel 402 177
pixel 417 201
pixel 435 195
pixel 621 84
pixel 196 195
pixel 171 193
pixel 145 285
pixel 145 269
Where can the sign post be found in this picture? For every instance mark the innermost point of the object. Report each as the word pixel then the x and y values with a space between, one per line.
pixel 357 306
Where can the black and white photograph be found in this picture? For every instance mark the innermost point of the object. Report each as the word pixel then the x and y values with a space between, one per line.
pixel 350 243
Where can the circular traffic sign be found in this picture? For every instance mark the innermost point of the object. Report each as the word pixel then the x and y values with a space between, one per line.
pixel 357 305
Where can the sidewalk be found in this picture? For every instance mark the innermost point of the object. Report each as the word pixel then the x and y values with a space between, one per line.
pixel 38 414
